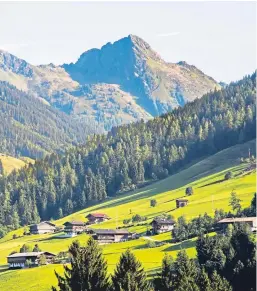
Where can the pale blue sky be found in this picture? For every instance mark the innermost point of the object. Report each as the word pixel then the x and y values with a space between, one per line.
pixel 217 37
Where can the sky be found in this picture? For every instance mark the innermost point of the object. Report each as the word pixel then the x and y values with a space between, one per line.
pixel 217 37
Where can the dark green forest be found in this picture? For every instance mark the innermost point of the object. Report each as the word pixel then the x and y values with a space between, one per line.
pixel 129 156
pixel 33 129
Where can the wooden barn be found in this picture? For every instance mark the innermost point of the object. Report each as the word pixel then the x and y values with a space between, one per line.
pixel 97 218
pixel 181 202
pixel 105 236
pixel 18 260
pixel 73 228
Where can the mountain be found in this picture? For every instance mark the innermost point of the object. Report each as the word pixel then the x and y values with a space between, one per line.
pixel 131 156
pixel 120 83
pixel 31 128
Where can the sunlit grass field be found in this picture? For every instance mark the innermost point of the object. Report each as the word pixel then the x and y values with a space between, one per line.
pixel 210 192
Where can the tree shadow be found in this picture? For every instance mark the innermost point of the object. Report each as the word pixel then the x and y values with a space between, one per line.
pixel 180 246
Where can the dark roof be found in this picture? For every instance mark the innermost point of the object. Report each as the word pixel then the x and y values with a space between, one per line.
pixel 163 221
pixel 29 254
pixel 110 231
pixel 182 200
pixel 80 223
pixel 98 215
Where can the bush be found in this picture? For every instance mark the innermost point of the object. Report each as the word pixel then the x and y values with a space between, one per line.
pixel 153 202
pixel 228 175
pixel 126 221
pixel 138 218
pixel 189 191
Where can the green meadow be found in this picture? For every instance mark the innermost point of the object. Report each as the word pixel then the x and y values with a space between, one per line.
pixel 210 192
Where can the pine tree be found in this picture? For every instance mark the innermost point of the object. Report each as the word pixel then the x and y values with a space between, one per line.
pixel 88 271
pixel 218 283
pixel 186 273
pixel 129 274
pixel 203 281
pixel 165 280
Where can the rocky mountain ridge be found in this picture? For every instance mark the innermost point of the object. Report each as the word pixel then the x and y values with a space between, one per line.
pixel 122 82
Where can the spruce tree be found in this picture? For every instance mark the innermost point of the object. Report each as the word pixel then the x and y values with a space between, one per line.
pixel 186 273
pixel 88 271
pixel 203 281
pixel 165 280
pixel 129 274
pixel 218 283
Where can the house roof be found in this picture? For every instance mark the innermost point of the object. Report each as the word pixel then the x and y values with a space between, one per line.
pixel 164 221
pixel 47 222
pixel 237 219
pixel 98 215
pixel 182 200
pixel 80 223
pixel 29 254
pixel 110 231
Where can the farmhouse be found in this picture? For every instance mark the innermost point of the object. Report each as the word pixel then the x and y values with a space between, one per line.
pixel 181 202
pixel 18 260
pixel 97 217
pixel 105 236
pixel 160 225
pixel 251 221
pixel 42 227
pixel 73 228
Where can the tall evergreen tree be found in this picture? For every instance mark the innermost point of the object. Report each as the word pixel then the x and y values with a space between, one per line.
pixel 88 271
pixel 129 274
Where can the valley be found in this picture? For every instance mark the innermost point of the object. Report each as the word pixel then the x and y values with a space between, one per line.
pixel 211 192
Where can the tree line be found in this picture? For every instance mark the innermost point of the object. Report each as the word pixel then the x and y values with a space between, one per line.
pixel 33 129
pixel 223 263
pixel 128 156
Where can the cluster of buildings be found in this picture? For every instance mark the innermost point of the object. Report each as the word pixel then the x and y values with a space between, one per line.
pixel 105 236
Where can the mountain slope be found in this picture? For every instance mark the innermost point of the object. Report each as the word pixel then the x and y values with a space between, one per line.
pixel 132 64
pixel 119 83
pixel 131 156
pixel 31 128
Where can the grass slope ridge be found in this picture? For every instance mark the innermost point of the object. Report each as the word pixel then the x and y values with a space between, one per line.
pixel 10 163
pixel 209 194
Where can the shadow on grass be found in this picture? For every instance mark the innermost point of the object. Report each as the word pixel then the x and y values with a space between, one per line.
pixel 215 182
pixel 180 246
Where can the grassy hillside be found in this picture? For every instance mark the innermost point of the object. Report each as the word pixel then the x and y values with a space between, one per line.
pixel 210 193
pixel 10 163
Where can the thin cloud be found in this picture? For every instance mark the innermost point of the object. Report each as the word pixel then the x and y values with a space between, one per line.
pixel 168 34
pixel 14 46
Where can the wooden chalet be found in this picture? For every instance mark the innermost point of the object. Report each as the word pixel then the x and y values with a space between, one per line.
pixel 97 218
pixel 251 221
pixel 73 228
pixel 161 225
pixel 106 236
pixel 18 260
pixel 42 227
pixel 181 202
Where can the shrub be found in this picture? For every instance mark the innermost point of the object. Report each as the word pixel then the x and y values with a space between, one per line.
pixel 228 175
pixel 189 191
pixel 153 202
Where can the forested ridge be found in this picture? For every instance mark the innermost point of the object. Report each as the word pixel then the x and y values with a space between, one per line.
pixel 31 128
pixel 128 156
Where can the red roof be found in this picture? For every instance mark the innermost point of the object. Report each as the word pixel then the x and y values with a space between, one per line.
pixel 98 215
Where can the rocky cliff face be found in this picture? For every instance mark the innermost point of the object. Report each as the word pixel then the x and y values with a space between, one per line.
pixel 119 83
